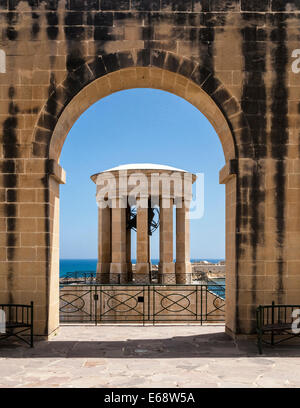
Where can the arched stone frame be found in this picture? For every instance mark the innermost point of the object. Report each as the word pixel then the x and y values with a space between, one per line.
pixel 130 78
pixel 127 69
pixel 157 69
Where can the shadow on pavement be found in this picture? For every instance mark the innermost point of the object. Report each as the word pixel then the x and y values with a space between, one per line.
pixel 216 344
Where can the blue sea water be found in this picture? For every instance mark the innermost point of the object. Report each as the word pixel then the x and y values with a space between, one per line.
pixel 90 265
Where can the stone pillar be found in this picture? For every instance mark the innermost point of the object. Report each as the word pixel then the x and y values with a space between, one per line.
pixel 118 266
pixel 104 244
pixel 166 264
pixel 183 267
pixel 128 249
pixel 142 253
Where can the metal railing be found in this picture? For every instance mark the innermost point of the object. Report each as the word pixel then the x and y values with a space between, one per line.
pixel 154 277
pixel 153 304
pixel 82 277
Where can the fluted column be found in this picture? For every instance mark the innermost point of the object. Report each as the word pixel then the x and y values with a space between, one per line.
pixel 143 255
pixel 166 264
pixel 183 265
pixel 104 245
pixel 118 266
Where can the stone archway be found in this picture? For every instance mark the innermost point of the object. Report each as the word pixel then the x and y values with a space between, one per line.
pixel 238 56
pixel 198 86
pixel 156 69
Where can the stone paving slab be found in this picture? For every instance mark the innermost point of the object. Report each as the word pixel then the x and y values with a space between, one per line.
pixel 135 356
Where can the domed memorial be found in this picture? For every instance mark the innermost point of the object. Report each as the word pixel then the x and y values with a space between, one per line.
pixel 142 197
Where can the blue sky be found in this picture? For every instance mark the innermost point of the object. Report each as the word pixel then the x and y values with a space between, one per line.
pixel 139 126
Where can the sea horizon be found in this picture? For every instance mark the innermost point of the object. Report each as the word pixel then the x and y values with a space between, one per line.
pixel 67 265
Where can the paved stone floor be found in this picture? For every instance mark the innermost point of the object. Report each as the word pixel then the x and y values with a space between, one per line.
pixel 160 356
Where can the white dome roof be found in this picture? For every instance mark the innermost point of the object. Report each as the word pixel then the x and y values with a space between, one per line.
pixel 144 166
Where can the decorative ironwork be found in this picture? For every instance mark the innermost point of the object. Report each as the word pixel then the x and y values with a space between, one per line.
pixel 76 304
pixel 69 306
pixel 116 304
pixel 218 306
pixel 168 301
pixel 141 303
pixel 124 302
pixel 153 218
pixel 175 303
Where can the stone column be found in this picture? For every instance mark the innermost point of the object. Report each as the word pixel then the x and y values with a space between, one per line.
pixel 183 267
pixel 104 244
pixel 118 266
pixel 166 264
pixel 142 253
pixel 128 248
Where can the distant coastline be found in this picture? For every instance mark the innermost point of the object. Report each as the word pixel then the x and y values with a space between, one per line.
pixel 90 265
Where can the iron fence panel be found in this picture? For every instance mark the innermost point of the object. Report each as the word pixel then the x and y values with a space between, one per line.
pixel 175 303
pixel 117 303
pixel 76 304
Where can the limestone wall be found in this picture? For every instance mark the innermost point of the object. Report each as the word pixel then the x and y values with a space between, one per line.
pixel 237 61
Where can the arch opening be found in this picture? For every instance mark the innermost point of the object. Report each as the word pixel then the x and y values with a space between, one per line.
pixel 186 88
pixel 130 78
pixel 136 126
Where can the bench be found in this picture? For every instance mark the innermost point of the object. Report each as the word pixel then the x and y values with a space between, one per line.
pixel 18 320
pixel 275 320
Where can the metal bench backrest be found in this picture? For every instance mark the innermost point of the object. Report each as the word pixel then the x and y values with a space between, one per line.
pixel 275 314
pixel 18 314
